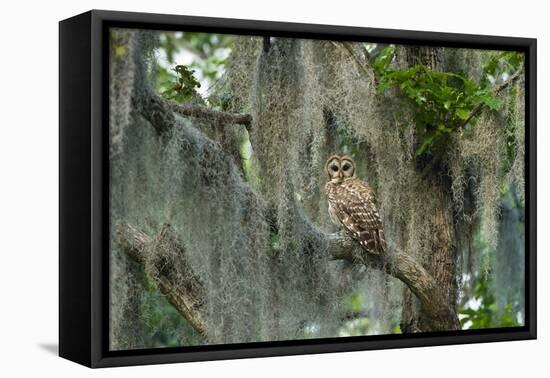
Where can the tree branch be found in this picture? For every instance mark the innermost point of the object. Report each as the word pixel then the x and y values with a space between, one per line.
pixel 496 90
pixel 186 294
pixel 349 48
pixel 398 264
pixel 160 113
pixel 222 141
pixel 204 113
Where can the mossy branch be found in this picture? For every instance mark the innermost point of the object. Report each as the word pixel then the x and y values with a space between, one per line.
pixel 400 265
pixel 349 47
pixel 188 297
pixel 204 113
pixel 187 294
pixel 160 112
pixel 395 263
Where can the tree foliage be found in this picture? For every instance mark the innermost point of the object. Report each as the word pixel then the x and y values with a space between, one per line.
pixel 184 89
pixel 444 102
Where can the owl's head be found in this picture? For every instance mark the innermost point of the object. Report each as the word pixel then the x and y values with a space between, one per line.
pixel 339 167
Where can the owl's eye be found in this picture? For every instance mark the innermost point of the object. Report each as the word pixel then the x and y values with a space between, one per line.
pixel 346 167
pixel 334 168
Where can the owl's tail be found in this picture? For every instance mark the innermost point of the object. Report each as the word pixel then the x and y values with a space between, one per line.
pixel 374 241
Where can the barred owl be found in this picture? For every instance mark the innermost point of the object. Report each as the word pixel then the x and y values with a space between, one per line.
pixel 351 204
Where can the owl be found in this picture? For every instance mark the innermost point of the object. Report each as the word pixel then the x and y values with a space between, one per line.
pixel 351 204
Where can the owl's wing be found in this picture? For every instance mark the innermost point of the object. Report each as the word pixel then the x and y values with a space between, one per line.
pixel 359 216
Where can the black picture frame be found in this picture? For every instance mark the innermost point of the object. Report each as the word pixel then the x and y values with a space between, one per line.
pixel 83 182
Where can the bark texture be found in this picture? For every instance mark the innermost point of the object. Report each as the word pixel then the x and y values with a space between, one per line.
pixel 186 294
pixel 440 263
pixel 439 260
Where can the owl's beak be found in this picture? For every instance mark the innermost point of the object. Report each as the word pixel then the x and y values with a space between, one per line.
pixel 341 175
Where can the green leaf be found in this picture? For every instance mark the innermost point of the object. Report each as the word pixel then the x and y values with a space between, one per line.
pixel 469 87
pixel 442 100
pixel 426 143
pixel 463 114
pixel 489 100
pixel 441 127
pixel 120 51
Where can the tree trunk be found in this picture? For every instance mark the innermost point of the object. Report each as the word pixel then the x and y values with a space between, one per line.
pixel 439 260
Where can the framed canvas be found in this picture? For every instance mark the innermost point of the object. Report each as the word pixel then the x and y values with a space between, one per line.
pixel 234 188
